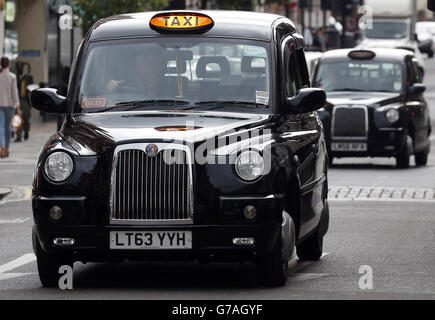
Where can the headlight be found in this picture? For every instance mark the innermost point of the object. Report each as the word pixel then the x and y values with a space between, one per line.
pixel 392 115
pixel 58 166
pixel 249 165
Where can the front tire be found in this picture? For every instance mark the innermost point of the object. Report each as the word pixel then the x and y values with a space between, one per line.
pixel 48 264
pixel 403 157
pixel 312 248
pixel 272 270
pixel 421 158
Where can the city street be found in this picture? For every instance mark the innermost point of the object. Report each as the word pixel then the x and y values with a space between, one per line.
pixel 381 217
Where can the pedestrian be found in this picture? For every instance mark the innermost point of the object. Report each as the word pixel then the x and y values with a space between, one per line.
pixel 9 102
pixel 23 81
pixel 308 37
pixel 320 39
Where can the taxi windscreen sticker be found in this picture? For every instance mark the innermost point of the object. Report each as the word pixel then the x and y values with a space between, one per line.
pixel 93 103
pixel 262 97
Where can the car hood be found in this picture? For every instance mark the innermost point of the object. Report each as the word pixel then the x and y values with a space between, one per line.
pixel 90 134
pixel 364 98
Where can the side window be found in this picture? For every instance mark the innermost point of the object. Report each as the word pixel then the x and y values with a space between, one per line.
pixel 296 71
pixel 417 72
pixel 290 84
pixel 303 69
pixel 410 73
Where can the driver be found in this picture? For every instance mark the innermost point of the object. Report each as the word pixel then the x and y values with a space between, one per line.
pixel 150 68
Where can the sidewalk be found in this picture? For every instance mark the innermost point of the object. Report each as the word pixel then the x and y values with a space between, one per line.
pixel 17 169
pixel 39 132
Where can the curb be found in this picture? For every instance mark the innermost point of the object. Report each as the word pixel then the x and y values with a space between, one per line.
pixel 4 192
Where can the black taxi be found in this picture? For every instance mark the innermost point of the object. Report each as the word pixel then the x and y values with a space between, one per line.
pixel 375 105
pixel 188 136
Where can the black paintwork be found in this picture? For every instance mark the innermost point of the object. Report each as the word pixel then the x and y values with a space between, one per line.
pixel 384 139
pixel 296 183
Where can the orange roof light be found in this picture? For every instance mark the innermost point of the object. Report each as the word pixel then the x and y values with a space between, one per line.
pixel 361 54
pixel 181 22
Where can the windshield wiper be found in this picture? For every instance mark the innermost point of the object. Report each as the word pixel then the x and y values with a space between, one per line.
pixel 220 103
pixel 140 103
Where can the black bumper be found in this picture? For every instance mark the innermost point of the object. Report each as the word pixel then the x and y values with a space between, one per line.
pixel 209 242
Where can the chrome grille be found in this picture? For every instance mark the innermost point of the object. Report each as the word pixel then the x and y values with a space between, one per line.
pixel 350 122
pixel 151 190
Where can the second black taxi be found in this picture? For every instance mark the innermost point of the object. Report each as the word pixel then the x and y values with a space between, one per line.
pixel 375 105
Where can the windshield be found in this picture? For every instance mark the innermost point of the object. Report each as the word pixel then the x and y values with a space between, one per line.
pixel 169 73
pixel 388 30
pixel 359 76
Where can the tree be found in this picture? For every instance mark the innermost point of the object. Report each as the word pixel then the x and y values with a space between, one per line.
pixel 90 11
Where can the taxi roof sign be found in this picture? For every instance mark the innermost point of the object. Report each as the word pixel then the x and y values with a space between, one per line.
pixel 181 22
pixel 361 54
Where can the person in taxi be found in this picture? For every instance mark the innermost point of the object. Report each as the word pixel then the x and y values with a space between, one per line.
pixel 150 69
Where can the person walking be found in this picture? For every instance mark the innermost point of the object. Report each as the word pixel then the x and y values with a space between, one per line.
pixel 9 103
pixel 23 81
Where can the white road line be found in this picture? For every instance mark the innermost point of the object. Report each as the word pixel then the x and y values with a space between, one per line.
pixel 14 221
pixel 7 276
pixel 306 276
pixel 295 265
pixel 21 261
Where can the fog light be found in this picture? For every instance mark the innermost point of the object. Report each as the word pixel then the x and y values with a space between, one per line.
pixel 64 241
pixel 244 241
pixel 250 212
pixel 56 213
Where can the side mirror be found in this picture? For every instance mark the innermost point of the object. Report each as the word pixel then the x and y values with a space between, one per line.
pixel 416 88
pixel 47 100
pixel 307 100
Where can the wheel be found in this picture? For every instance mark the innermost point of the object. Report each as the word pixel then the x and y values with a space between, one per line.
pixel 272 270
pixel 312 248
pixel 48 264
pixel 421 158
pixel 403 157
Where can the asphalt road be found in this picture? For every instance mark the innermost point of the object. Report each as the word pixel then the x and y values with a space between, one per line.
pixel 393 235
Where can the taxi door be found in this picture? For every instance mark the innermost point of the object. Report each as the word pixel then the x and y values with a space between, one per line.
pixel 418 107
pixel 303 136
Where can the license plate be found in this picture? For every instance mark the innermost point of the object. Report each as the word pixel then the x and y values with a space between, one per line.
pixel 349 146
pixel 150 240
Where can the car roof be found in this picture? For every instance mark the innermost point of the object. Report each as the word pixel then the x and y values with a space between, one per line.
pixel 243 24
pixel 380 53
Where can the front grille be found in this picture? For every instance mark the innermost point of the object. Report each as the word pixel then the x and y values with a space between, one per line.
pixel 151 190
pixel 349 122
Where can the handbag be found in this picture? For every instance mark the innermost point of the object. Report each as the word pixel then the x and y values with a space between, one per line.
pixel 16 123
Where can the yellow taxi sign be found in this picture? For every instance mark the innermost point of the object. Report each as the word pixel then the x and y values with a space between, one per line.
pixel 181 21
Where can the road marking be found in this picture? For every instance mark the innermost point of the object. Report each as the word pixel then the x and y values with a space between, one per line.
pixel 7 276
pixel 21 261
pixel 296 265
pixel 18 194
pixel 398 194
pixel 432 138
pixel 14 221
pixel 14 264
pixel 295 277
